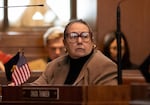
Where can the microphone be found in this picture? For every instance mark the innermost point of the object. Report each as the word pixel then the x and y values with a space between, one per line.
pixel 118 18
pixel 22 6
pixel 118 37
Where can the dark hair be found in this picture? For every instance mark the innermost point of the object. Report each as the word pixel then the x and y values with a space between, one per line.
pixel 76 21
pixel 109 38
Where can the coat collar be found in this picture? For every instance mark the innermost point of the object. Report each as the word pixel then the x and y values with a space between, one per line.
pixel 63 69
pixel 84 72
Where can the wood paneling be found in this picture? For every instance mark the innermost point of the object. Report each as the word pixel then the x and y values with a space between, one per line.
pixel 32 43
pixel 135 22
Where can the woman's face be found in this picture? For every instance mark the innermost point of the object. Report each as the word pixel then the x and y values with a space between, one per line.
pixel 79 48
pixel 113 49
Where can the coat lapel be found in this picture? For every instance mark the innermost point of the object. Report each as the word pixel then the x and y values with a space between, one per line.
pixel 83 76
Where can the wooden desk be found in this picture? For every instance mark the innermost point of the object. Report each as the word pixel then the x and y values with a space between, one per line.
pixel 108 95
pixel 138 94
pixel 67 95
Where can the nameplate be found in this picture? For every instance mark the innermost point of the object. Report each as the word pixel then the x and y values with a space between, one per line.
pixel 36 93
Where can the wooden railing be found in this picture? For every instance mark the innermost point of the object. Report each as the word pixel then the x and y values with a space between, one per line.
pixel 31 42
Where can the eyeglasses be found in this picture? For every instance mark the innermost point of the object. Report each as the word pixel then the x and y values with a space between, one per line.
pixel 73 36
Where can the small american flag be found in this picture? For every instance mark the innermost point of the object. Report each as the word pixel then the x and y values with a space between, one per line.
pixel 21 72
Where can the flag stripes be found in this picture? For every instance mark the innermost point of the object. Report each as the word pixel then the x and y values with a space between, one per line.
pixel 21 72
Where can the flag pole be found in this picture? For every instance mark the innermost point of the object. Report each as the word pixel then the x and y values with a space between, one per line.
pixel 21 50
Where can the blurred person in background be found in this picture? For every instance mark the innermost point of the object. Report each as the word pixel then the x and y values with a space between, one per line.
pixel 53 45
pixel 4 58
pixel 53 42
pixel 110 50
pixel 2 68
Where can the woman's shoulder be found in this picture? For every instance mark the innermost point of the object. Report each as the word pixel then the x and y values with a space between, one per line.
pixel 60 60
pixel 99 56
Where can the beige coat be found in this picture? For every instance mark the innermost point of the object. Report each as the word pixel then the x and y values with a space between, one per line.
pixel 98 70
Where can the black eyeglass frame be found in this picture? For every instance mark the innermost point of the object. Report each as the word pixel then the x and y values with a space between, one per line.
pixel 81 35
